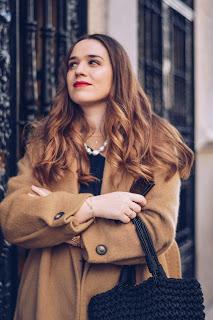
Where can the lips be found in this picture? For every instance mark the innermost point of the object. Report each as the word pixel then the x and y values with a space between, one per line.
pixel 81 84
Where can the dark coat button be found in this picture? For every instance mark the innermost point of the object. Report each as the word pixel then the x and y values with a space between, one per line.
pixel 58 215
pixel 101 249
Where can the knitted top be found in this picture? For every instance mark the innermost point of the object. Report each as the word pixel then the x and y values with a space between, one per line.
pixel 96 169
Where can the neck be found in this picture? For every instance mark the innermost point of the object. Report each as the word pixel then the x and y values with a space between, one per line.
pixel 95 115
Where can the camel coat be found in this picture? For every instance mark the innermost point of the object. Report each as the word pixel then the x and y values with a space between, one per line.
pixel 58 279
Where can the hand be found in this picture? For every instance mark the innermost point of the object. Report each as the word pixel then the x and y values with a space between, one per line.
pixel 40 191
pixel 118 205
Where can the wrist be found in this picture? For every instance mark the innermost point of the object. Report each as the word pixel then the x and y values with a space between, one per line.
pixel 89 202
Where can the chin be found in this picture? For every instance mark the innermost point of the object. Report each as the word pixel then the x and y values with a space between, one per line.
pixel 86 101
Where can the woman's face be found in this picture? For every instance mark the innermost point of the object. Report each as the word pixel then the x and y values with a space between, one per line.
pixel 89 62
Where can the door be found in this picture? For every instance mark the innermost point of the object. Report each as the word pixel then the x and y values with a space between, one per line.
pixel 165 46
pixel 34 36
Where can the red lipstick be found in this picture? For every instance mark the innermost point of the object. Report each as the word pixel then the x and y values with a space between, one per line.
pixel 81 84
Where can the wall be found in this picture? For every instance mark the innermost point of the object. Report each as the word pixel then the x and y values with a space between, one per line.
pixel 119 20
pixel 204 143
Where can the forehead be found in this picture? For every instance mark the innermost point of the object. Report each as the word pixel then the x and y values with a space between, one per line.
pixel 89 47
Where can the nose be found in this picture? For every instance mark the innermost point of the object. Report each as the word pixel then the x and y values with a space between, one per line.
pixel 80 69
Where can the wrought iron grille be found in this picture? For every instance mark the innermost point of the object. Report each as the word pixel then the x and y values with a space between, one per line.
pixel 34 35
pixel 181 114
pixel 150 50
pixel 166 72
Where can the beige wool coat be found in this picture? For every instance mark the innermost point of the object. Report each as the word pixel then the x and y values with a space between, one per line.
pixel 58 279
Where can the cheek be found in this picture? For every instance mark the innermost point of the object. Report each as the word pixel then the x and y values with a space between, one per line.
pixel 70 81
pixel 104 79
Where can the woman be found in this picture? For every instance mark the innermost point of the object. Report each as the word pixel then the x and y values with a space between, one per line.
pixel 74 183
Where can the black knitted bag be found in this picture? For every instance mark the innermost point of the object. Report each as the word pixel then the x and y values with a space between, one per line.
pixel 157 298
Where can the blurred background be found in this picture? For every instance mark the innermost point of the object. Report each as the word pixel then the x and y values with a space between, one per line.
pixel 170 45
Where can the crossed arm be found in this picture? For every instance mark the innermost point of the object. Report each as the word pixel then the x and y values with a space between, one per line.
pixel 31 221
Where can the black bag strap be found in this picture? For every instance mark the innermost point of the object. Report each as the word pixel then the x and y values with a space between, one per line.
pixel 128 272
pixel 154 266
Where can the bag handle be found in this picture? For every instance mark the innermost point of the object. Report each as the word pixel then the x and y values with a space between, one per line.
pixel 154 266
pixel 128 273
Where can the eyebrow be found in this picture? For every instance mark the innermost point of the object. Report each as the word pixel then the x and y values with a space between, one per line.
pixel 89 55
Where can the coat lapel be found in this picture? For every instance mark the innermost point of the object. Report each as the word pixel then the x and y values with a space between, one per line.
pixel 126 182
pixel 122 183
pixel 69 182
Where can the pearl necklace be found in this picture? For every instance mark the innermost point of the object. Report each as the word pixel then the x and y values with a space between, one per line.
pixel 96 151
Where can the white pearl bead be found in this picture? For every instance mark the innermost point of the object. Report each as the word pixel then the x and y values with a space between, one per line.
pixel 97 151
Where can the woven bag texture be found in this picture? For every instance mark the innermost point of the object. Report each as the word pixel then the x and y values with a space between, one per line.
pixel 158 298
pixel 154 299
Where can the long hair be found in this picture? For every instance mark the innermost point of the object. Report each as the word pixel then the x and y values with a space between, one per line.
pixel 139 140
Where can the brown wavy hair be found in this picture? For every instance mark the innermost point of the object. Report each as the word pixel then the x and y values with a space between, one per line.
pixel 140 141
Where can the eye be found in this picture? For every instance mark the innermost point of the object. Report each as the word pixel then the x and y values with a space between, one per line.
pixel 95 61
pixel 70 65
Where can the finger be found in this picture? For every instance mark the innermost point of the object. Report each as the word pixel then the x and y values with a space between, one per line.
pixel 32 195
pixel 136 197
pixel 125 219
pixel 37 190
pixel 134 206
pixel 41 191
pixel 130 213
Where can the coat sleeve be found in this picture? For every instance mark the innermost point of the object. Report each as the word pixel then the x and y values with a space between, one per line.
pixel 36 222
pixel 120 240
